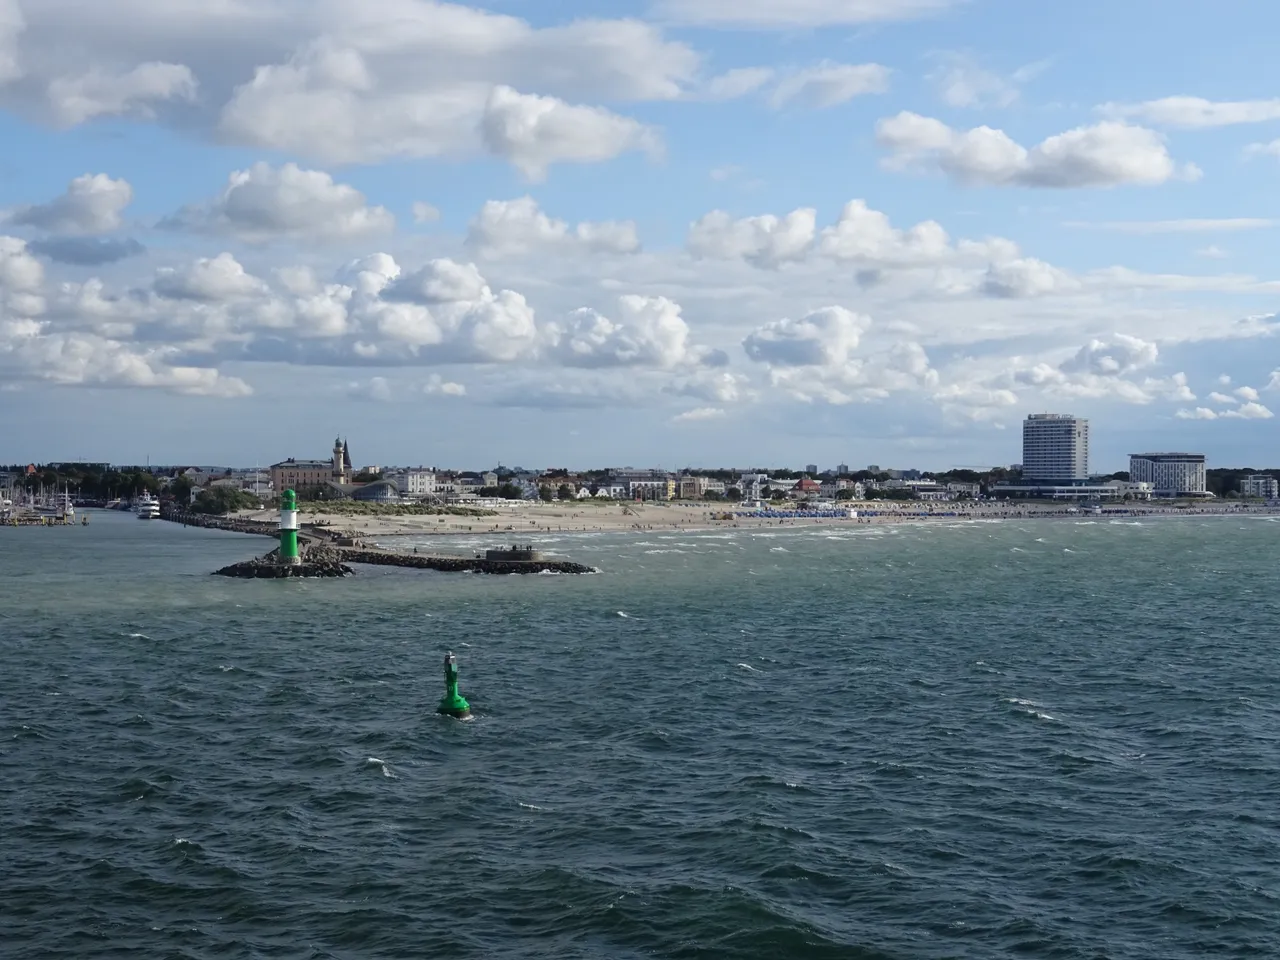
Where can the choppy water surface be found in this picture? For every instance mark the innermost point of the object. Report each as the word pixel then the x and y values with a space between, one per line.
pixel 1047 739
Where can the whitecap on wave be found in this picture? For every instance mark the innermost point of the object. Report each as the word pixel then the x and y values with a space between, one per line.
pixel 375 762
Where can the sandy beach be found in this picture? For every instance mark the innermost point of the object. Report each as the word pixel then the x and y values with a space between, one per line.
pixel 525 518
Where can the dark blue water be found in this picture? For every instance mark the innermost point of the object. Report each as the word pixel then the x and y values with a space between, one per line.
pixel 1048 739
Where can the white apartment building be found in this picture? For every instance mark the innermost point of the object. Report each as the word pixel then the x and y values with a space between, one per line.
pixel 419 483
pixel 1055 448
pixel 1260 485
pixel 1170 474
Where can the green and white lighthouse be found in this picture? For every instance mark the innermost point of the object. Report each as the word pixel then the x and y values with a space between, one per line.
pixel 289 528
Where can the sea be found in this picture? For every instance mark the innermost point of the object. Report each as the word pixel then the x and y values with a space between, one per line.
pixel 1031 739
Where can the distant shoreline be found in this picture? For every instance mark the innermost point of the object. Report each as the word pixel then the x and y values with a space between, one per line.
pixel 524 520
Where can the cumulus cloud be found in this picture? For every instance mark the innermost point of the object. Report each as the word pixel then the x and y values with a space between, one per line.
pixel 532 132
pixel 698 413
pixel 766 241
pixel 1111 358
pixel 648 332
pixel 1246 393
pixel 1103 368
pixel 1250 411
pixel 91 204
pixel 438 386
pixel 1195 112
pixel 782 14
pixel 265 203
pixel 829 84
pixel 331 82
pixel 962 82
pixel 73 99
pixel 816 358
pixel 1104 155
pixel 1274 382
pixel 720 386
pixel 1198 413
pixel 424 212
pixel 1026 277
pixel 209 279
pixel 449 306
pixel 519 227
pixel 1268 149
pixel 376 389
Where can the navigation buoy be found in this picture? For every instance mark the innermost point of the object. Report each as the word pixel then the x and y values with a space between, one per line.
pixel 452 704
pixel 289 528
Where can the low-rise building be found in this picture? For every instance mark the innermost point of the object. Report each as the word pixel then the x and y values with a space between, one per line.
pixel 1260 485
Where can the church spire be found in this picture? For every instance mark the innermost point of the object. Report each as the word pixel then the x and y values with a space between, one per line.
pixel 346 456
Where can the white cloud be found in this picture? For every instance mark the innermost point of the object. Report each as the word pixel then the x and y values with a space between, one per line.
pixel 1104 155
pixel 816 358
pixel 518 227
pixel 82 359
pixel 376 389
pixel 649 332
pixel 209 279
pixel 720 386
pixel 265 203
pixel 698 413
pixel 1195 112
pixel 781 14
pixel 1199 413
pixel 1269 149
pixel 448 305
pixel 101 93
pixel 331 82
pixel 1274 382
pixel 823 338
pixel 19 271
pixel 424 212
pixel 1101 369
pixel 829 84
pixel 766 241
pixel 1250 411
pixel 1178 226
pixel 91 204
pixel 962 82
pixel 1026 277
pixel 1116 357
pixel 736 83
pixel 1217 397
pixel 1212 252
pixel 865 234
pixel 1246 393
pixel 532 132
pixel 437 385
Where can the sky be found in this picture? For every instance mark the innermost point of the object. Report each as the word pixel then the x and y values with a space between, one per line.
pixel 654 232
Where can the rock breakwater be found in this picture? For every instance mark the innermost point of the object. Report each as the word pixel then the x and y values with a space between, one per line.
pixel 388 558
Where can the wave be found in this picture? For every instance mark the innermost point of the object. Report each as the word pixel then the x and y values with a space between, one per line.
pixel 375 762
pixel 747 666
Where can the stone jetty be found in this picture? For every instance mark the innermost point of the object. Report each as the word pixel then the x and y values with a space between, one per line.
pixel 388 558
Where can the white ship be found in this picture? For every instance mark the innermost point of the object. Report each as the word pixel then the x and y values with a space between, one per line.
pixel 148 507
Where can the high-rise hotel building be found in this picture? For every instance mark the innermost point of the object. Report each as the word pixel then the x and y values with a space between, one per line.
pixel 1171 474
pixel 1055 448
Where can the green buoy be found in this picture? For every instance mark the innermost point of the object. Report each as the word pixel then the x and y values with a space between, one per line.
pixel 452 704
